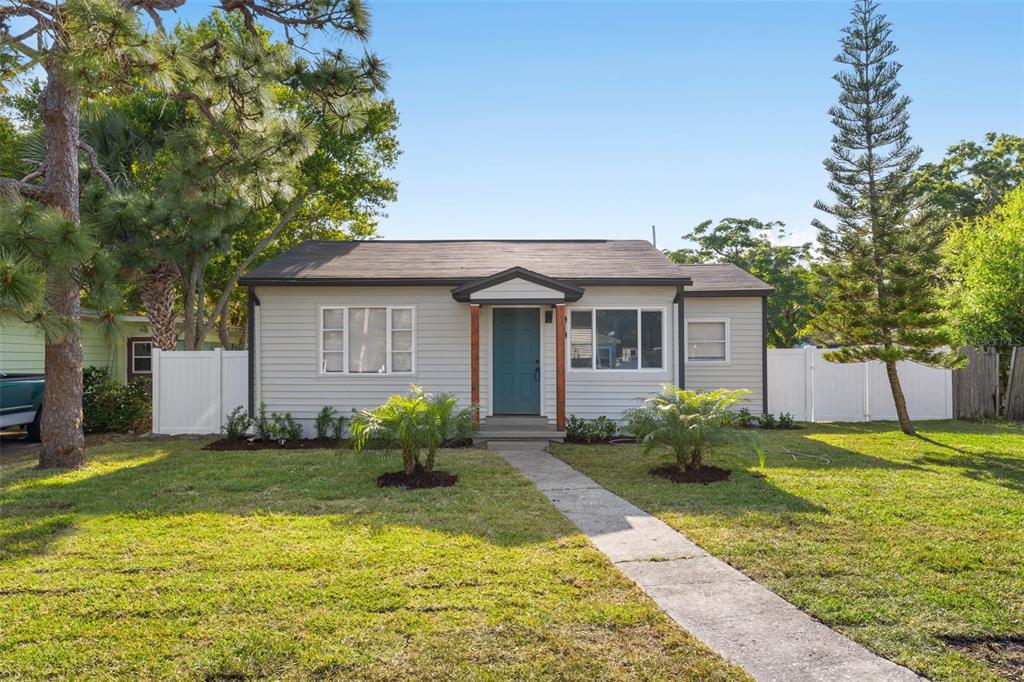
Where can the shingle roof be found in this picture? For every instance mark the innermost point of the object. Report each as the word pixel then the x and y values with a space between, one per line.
pixel 457 262
pixel 722 277
pixel 454 262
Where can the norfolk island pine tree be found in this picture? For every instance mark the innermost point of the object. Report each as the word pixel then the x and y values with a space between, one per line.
pixel 879 280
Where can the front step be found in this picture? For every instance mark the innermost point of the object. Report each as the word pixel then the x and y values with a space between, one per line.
pixel 516 428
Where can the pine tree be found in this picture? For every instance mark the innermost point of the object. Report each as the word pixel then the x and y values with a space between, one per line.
pixel 879 282
pixel 86 50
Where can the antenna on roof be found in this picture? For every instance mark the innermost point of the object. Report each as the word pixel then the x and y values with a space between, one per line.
pixel 654 236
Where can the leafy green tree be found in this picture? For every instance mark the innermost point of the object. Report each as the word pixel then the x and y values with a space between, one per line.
pixel 747 242
pixel 984 259
pixel 691 424
pixel 972 179
pixel 90 49
pixel 879 284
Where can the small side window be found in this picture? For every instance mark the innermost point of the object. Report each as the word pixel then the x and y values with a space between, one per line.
pixel 707 341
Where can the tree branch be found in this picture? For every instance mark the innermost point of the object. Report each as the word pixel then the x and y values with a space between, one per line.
pixel 225 296
pixel 15 188
pixel 187 96
pixel 94 164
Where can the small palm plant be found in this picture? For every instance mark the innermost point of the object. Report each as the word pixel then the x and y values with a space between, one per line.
pixel 412 423
pixel 689 423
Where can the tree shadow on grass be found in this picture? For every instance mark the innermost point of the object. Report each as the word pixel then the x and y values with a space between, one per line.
pixel 144 480
pixel 1007 472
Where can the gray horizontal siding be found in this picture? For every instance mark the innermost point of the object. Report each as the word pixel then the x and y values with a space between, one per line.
pixel 288 362
pixel 745 367
pixel 515 288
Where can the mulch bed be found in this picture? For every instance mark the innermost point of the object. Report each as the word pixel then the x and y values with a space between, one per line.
pixel 303 444
pixel 705 474
pixel 226 445
pixel 418 479
pixel 617 440
pixel 1003 655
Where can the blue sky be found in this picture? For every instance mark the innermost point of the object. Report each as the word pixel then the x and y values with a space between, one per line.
pixel 599 119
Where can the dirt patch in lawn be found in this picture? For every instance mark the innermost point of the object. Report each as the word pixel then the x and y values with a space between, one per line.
pixel 417 479
pixel 1003 655
pixel 705 474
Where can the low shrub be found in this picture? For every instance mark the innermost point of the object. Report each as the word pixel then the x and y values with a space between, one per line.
pixel 238 424
pixel 112 407
pixel 786 421
pixel 767 421
pixel 284 427
pixel 578 430
pixel 745 418
pixel 261 423
pixel 326 421
pixel 338 427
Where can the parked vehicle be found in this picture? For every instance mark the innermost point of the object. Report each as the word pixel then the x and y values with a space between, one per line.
pixel 21 401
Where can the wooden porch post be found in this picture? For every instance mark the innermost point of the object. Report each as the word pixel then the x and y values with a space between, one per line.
pixel 474 362
pixel 560 366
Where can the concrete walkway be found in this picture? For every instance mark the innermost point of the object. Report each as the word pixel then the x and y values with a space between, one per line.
pixel 744 622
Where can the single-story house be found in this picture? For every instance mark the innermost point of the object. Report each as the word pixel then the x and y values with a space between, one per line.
pixel 529 330
pixel 124 348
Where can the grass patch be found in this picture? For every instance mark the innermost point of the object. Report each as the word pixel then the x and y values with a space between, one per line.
pixel 159 560
pixel 904 544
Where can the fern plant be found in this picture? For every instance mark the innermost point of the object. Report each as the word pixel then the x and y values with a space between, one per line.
pixel 687 422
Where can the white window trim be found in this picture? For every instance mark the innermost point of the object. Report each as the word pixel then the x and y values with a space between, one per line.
pixel 728 341
pixel 345 347
pixel 150 356
pixel 593 322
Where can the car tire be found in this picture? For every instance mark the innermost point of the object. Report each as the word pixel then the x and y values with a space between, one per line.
pixel 33 428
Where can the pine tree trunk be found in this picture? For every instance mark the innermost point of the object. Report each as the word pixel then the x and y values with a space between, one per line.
pixel 899 399
pixel 61 425
pixel 157 292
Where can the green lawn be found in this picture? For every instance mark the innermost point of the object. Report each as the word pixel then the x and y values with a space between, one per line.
pixel 898 542
pixel 159 560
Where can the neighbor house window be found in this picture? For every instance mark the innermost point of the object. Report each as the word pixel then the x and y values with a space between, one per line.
pixel 707 341
pixel 142 357
pixel 366 340
pixel 616 338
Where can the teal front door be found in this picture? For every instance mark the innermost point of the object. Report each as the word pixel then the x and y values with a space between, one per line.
pixel 516 360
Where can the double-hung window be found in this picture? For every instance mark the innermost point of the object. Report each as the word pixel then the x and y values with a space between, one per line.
pixel 367 340
pixel 617 338
pixel 707 341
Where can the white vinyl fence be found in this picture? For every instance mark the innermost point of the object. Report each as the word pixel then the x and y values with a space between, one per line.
pixel 802 382
pixel 195 391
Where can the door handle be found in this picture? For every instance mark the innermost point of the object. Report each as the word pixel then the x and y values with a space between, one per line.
pixel 536 373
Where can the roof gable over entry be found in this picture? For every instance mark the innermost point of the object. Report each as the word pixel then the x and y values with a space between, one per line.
pixel 517 285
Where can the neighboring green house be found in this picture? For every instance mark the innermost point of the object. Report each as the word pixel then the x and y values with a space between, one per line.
pixel 125 352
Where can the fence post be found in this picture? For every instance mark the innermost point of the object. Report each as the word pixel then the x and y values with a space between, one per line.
pixel 867 391
pixel 220 387
pixel 155 388
pixel 809 352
